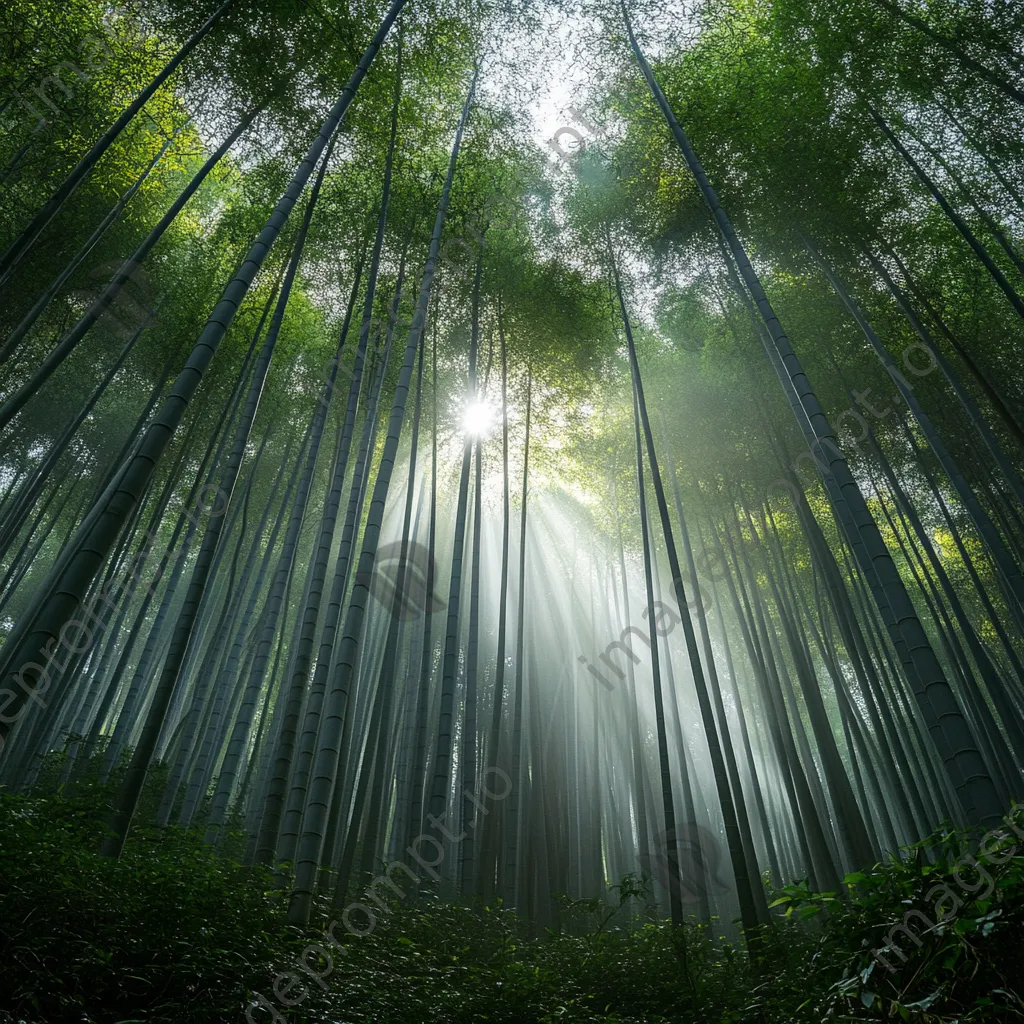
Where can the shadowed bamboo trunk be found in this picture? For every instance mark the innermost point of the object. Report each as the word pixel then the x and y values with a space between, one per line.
pixel 310 847
pixel 1009 570
pixel 491 823
pixel 511 867
pixel 292 820
pixel 850 825
pixel 939 706
pixel 437 805
pixel 239 735
pixel 401 605
pixel 294 695
pixel 979 211
pixel 668 806
pixel 417 779
pixel 470 740
pixel 294 754
pixel 208 676
pixel 741 875
pixel 742 818
pixel 99 531
pixel 182 635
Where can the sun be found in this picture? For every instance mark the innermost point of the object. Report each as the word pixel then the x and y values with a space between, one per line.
pixel 477 418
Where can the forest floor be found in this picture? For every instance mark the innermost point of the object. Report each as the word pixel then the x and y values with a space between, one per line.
pixel 173 932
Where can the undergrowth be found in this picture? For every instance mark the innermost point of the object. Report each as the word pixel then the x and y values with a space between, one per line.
pixel 175 932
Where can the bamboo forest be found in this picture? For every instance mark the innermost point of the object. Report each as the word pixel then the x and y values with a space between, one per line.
pixel 511 512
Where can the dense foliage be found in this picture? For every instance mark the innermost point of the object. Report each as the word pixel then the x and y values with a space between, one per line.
pixel 614 414
pixel 173 932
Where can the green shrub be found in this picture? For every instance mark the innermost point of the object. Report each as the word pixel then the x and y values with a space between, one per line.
pixel 174 932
